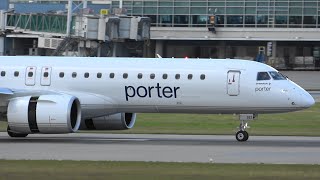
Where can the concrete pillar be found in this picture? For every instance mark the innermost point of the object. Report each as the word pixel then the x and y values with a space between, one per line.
pixel 114 49
pixel 69 18
pixel 148 49
pixel 274 49
pixel 99 51
pixel 222 50
pixel 85 4
pixel 2 29
pixel 120 3
pixel 2 46
pixel 159 48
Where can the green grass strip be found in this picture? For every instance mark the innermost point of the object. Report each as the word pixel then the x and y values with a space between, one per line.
pixel 151 170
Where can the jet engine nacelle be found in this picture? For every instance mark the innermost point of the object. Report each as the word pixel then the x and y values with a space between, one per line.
pixel 48 114
pixel 119 121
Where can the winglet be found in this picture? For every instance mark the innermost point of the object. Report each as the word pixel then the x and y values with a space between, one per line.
pixel 158 56
pixel 5 91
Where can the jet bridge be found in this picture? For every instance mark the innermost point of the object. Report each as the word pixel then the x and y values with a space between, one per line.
pixel 87 31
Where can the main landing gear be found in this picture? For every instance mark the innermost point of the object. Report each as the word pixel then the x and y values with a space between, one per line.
pixel 14 134
pixel 242 134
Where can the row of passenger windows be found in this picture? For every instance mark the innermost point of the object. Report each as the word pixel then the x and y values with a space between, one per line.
pixel 16 74
pixel 126 75
pixel 111 75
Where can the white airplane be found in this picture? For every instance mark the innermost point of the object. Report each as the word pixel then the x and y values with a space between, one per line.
pixel 64 94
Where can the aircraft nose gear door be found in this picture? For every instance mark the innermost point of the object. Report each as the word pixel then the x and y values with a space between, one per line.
pixel 233 87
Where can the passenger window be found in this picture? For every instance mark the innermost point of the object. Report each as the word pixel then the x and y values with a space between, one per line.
pixel 86 75
pixel 16 73
pixel 99 75
pixel 61 74
pixel 165 76
pixel 30 74
pixel 125 75
pixel 74 74
pixel 111 75
pixel 177 76
pixel 139 75
pixel 152 76
pixel 45 74
pixel 277 76
pixel 190 76
pixel 263 76
pixel 202 76
pixel 3 73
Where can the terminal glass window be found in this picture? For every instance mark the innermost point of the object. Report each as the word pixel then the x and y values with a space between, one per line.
pixel 181 20
pixel 309 21
pixel 235 21
pixel 165 20
pixel 181 10
pixel 295 21
pixel 199 19
pixel 229 13
pixel 281 21
pixel 250 21
pixel 149 10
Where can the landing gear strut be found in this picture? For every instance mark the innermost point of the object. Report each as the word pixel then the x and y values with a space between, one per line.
pixel 242 134
pixel 14 134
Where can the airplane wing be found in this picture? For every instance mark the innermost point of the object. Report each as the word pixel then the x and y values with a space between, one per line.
pixel 6 91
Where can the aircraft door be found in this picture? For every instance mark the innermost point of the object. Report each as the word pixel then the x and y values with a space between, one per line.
pixel 45 76
pixel 31 76
pixel 233 87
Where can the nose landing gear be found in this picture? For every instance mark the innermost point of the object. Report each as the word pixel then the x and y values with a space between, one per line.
pixel 242 134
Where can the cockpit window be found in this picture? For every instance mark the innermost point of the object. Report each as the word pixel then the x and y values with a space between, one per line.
pixel 277 76
pixel 262 76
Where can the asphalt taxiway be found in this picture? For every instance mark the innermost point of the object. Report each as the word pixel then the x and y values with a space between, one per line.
pixel 164 148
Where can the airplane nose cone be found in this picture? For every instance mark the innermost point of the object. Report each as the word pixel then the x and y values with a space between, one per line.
pixel 307 100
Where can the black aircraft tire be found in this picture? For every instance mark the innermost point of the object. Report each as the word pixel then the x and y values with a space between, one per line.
pixel 15 135
pixel 242 136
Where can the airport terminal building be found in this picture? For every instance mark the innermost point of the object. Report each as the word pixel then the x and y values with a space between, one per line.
pixel 283 33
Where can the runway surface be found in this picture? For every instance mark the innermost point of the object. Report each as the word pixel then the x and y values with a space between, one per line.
pixel 165 148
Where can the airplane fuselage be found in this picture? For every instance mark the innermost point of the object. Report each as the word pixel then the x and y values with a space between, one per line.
pixel 110 85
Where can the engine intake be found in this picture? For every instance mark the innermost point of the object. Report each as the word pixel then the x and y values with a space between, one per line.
pixel 119 121
pixel 48 114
